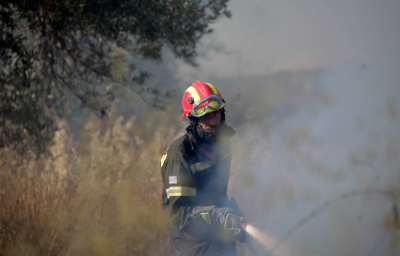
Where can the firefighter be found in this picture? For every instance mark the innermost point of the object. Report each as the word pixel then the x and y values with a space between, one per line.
pixel 195 172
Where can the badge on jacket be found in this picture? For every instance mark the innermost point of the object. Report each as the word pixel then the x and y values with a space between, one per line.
pixel 173 180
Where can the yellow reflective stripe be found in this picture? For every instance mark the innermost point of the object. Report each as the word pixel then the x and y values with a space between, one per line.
pixel 206 217
pixel 200 166
pixel 164 157
pixel 213 88
pixel 193 93
pixel 180 191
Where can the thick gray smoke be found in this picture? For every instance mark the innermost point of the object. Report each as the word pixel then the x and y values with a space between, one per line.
pixel 317 158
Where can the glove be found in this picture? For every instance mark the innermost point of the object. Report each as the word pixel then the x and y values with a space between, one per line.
pixel 241 237
pixel 231 220
pixel 225 218
pixel 233 225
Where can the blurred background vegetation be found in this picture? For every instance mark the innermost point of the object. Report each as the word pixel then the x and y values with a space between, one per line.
pixel 97 196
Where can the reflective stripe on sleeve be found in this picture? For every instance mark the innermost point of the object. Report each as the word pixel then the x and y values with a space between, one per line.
pixel 164 157
pixel 200 166
pixel 181 191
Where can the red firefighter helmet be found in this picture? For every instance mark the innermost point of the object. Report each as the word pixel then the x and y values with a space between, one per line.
pixel 200 99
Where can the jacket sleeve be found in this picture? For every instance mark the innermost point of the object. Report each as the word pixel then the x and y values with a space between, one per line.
pixel 179 187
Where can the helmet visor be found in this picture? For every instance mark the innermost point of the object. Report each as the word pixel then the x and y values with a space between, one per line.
pixel 200 108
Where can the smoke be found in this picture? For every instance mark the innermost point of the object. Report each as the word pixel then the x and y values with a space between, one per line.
pixel 308 137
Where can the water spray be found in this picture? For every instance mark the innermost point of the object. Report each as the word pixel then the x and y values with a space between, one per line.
pixel 267 241
pixel 235 223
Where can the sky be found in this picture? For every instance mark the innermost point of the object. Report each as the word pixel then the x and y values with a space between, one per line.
pixel 268 36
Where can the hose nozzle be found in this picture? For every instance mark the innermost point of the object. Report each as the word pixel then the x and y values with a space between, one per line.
pixel 235 222
pixel 243 226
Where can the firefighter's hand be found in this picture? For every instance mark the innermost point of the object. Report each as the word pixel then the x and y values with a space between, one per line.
pixel 231 220
pixel 233 224
pixel 239 235
pixel 222 213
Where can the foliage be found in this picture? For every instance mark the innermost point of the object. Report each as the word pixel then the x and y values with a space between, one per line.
pixel 52 49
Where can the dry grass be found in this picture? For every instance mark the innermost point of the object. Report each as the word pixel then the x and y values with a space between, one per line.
pixel 100 196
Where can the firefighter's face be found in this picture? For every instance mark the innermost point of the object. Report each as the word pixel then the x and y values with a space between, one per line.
pixel 210 120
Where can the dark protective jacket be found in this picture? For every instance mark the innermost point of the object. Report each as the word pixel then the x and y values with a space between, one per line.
pixel 192 181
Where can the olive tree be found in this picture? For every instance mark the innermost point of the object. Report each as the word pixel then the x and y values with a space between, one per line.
pixel 52 49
